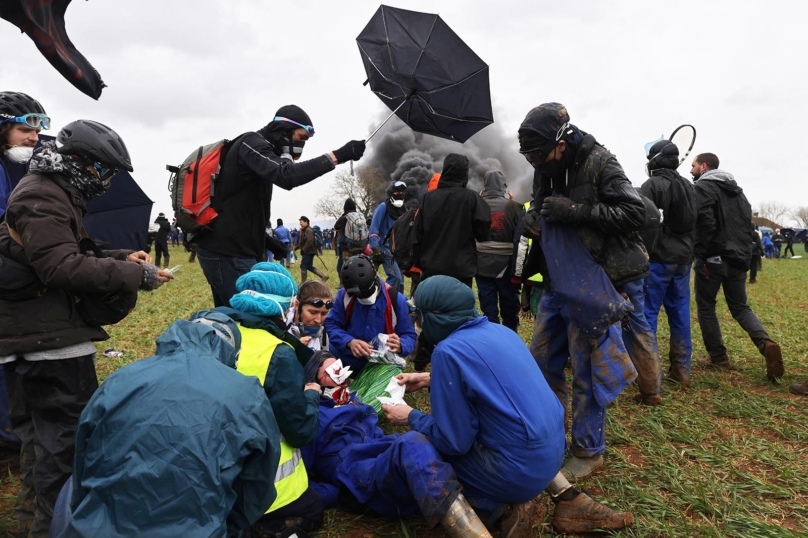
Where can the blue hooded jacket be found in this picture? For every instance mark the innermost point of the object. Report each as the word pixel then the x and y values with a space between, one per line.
pixel 178 444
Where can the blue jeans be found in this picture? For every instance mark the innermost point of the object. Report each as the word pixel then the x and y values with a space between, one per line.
pixel 669 285
pixel 222 272
pixel 499 296
pixel 288 260
pixel 641 342
pixel 394 277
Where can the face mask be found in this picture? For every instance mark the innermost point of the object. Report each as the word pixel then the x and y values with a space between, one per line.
pixel 397 203
pixel 20 154
pixel 291 149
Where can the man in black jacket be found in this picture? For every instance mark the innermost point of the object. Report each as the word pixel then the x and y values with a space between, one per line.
pixel 251 166
pixel 450 219
pixel 161 239
pixel 723 249
pixel 579 183
pixel 671 255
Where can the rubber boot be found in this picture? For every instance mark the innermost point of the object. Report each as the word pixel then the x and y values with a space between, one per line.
pixel 461 521
pixel 584 514
pixel 518 520
pixel 774 359
pixel 582 467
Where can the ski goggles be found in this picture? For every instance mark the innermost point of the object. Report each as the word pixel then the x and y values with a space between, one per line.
pixel 319 303
pixel 34 121
pixel 309 128
pixel 104 172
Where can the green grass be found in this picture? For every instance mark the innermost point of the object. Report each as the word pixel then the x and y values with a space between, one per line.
pixel 728 457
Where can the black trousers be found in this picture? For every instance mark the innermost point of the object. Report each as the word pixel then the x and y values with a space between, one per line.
pixel 789 247
pixel 161 248
pixel 45 400
pixel 754 267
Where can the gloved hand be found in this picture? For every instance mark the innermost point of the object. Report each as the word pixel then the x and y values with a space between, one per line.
pixel 377 256
pixel 562 209
pixel 352 151
pixel 530 225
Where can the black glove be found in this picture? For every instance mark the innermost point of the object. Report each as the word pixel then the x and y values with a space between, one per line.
pixel 377 257
pixel 530 225
pixel 352 151
pixel 562 209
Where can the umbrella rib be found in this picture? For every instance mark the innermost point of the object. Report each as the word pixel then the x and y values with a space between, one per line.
pixel 453 118
pixel 458 82
pixel 403 90
pixel 423 50
pixel 389 49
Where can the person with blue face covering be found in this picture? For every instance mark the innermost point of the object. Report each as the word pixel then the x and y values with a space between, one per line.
pixel 493 417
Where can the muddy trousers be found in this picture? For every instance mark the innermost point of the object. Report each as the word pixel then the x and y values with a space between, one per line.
pixel 641 342
pixel 554 340
pixel 669 286
pixel 710 278
pixel 45 400
pixel 396 476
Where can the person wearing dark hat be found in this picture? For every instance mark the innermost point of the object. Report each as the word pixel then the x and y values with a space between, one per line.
pixel 308 250
pixel 253 164
pixel 161 239
pixel 282 234
pixel 578 185
pixel 671 255
pixel 345 248
pixel 46 345
pixel 496 422
pixel 384 217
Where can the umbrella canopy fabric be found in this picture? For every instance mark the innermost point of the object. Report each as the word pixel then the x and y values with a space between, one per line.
pixel 415 59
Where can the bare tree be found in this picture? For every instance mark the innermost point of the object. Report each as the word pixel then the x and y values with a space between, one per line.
pixel 364 187
pixel 800 215
pixel 774 211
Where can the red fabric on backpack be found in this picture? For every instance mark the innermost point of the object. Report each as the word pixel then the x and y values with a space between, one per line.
pixel 388 311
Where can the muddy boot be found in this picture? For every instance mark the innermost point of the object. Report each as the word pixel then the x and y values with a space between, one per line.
pixel 774 359
pixel 648 399
pixel 462 522
pixel 304 274
pixel 678 375
pixel 583 514
pixel 519 519
pixel 582 467
pixel 720 365
pixel 800 389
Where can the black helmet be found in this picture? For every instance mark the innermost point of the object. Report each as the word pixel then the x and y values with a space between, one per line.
pixel 95 141
pixel 16 104
pixel 359 276
pixel 663 154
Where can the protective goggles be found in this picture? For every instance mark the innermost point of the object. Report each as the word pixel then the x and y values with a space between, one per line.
pixel 319 303
pixel 309 128
pixel 34 121
pixel 104 172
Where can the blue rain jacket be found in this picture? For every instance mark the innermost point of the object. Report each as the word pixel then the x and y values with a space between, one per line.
pixel 494 418
pixel 178 444
pixel 380 226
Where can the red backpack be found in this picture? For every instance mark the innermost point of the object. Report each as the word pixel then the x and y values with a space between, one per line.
pixel 193 184
pixel 390 318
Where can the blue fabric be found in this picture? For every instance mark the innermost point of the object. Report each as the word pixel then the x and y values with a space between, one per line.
pixel 494 418
pixel 222 272
pixel 394 277
pixel 395 475
pixel 669 285
pixel 6 433
pixel 499 295
pixel 283 235
pixel 5 187
pixel 380 226
pixel 601 369
pixel 579 282
pixel 366 322
pixel 641 342
pixel 178 444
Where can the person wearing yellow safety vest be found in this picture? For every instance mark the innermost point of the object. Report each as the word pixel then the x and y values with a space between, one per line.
pixel 533 284
pixel 268 353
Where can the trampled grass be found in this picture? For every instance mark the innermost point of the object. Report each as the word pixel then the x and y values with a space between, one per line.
pixel 728 457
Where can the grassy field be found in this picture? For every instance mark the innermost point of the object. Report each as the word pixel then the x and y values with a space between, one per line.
pixel 728 457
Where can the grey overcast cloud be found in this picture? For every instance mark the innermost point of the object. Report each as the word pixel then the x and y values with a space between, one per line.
pixel 183 73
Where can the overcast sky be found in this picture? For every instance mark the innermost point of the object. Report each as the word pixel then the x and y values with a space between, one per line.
pixel 183 73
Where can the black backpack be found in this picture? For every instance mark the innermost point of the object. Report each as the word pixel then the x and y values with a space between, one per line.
pixel 402 238
pixel 682 211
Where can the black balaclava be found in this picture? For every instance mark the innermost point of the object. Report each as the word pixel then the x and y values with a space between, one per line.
pixel 349 206
pixel 663 154
pixel 279 133
pixel 397 193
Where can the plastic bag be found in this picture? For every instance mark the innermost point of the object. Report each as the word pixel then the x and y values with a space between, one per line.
pixel 381 354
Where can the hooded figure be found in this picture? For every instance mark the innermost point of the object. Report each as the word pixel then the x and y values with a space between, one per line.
pixel 178 444
pixel 384 217
pixel 450 219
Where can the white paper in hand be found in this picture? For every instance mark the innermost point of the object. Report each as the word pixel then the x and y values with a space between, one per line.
pixel 338 372
pixel 396 392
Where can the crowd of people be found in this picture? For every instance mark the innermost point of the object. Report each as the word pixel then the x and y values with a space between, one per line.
pixel 256 415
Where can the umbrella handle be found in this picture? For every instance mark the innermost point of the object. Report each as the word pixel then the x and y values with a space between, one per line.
pixel 385 121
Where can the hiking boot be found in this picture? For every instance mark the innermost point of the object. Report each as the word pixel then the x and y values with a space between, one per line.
pixel 648 399
pixel 584 514
pixel 800 389
pixel 722 365
pixel 582 467
pixel 753 281
pixel 679 377
pixel 461 521
pixel 774 359
pixel 518 520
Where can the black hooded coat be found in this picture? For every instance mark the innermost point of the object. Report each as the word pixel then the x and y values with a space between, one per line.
pixel 450 219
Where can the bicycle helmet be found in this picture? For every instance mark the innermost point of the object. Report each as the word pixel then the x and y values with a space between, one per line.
pixel 16 104
pixel 95 141
pixel 359 276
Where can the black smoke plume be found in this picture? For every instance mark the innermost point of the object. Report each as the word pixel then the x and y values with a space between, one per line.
pixel 401 154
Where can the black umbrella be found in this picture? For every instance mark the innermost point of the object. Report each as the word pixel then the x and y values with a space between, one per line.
pixel 425 74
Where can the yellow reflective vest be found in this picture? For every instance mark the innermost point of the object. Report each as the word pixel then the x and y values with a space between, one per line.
pixel 291 480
